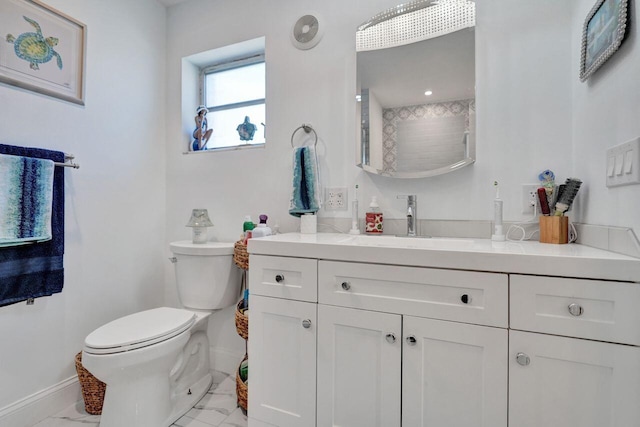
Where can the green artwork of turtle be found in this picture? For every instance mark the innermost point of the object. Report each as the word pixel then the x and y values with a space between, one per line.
pixel 34 48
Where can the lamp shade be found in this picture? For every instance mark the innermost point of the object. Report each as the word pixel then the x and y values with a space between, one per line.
pixel 199 218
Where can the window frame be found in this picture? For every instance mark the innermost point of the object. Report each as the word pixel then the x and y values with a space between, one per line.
pixel 226 66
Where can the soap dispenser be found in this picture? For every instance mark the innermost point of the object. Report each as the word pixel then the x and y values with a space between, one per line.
pixel 373 218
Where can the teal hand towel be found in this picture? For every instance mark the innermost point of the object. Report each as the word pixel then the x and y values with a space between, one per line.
pixel 305 197
pixel 26 198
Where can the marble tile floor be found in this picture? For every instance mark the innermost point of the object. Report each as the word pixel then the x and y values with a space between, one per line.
pixel 217 408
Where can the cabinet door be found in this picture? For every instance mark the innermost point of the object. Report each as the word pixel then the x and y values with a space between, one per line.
pixel 568 382
pixel 454 374
pixel 282 362
pixel 359 363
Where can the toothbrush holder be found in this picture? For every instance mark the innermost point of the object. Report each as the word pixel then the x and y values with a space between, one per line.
pixel 554 229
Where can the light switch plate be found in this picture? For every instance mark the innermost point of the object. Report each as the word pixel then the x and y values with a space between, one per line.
pixel 624 161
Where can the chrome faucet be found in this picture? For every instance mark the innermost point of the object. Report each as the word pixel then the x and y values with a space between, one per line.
pixel 412 214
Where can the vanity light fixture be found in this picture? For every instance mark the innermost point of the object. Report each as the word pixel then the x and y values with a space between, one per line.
pixel 428 93
pixel 415 21
pixel 199 222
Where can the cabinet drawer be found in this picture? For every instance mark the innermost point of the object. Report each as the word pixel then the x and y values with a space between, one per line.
pixel 281 277
pixel 591 309
pixel 463 296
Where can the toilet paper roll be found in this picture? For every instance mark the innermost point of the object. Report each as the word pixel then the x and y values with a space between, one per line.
pixel 308 224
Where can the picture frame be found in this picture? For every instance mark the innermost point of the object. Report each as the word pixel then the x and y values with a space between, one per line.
pixel 42 50
pixel 604 30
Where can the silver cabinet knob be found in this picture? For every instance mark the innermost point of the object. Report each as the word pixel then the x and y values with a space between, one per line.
pixel 279 278
pixel 523 359
pixel 411 340
pixel 391 338
pixel 575 309
pixel 346 286
pixel 306 323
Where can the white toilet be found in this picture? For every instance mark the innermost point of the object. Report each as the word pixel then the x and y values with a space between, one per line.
pixel 156 362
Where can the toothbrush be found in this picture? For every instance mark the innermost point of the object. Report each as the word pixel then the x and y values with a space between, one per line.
pixel 498 233
pixel 354 213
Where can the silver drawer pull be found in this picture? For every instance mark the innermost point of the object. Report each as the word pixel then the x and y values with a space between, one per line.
pixel 523 359
pixel 346 286
pixel 306 323
pixel 279 278
pixel 411 340
pixel 575 309
pixel 391 338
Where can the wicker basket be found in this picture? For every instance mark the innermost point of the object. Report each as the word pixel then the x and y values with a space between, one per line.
pixel 92 388
pixel 242 322
pixel 240 255
pixel 241 388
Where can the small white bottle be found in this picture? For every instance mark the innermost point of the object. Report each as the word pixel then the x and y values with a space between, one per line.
pixel 262 229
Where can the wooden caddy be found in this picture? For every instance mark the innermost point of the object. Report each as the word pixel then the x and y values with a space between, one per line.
pixel 554 229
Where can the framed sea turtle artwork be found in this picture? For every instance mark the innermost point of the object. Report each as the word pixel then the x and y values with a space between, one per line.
pixel 42 50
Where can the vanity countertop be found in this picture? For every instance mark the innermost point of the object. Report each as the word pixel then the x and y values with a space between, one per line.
pixel 526 257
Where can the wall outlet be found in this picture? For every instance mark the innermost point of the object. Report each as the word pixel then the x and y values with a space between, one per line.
pixel 335 199
pixel 530 198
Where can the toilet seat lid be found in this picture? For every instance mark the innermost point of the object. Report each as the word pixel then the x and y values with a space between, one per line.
pixel 139 330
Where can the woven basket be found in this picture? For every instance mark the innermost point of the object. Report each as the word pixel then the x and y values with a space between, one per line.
pixel 241 388
pixel 240 255
pixel 92 388
pixel 242 322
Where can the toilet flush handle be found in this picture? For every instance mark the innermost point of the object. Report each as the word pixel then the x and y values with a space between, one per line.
pixel 173 259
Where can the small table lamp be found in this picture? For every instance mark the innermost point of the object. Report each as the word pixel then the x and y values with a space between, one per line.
pixel 199 222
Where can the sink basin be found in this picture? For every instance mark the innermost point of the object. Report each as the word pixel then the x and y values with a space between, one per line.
pixel 409 242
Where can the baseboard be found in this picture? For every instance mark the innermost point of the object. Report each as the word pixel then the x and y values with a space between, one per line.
pixel 224 360
pixel 35 408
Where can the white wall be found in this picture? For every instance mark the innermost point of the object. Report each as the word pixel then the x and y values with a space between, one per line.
pixel 114 203
pixel 606 112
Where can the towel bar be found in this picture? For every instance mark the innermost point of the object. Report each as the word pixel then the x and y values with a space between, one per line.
pixel 68 162
pixel 307 129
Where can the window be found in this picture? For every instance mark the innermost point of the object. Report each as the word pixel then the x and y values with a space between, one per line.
pixel 234 93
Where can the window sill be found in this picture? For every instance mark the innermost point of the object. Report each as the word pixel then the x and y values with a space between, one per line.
pixel 217 150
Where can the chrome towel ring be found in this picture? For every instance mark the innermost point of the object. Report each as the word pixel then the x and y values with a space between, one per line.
pixel 307 129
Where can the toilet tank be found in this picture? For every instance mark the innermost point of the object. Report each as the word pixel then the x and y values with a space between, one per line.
pixel 206 277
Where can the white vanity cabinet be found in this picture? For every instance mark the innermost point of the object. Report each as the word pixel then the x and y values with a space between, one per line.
pixel 282 344
pixel 380 359
pixel 562 376
pixel 358 336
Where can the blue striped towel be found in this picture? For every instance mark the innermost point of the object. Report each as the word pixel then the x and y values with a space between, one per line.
pixel 35 270
pixel 26 197
pixel 306 188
